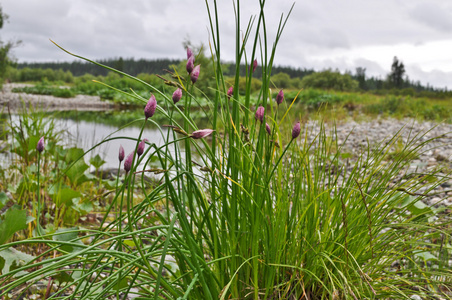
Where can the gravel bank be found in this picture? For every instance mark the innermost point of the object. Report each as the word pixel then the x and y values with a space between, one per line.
pixel 17 101
pixel 356 136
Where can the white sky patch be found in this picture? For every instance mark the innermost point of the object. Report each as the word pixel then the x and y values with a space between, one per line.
pixel 435 56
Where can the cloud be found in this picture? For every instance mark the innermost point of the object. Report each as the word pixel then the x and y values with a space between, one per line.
pixel 436 78
pixel 319 34
pixel 434 15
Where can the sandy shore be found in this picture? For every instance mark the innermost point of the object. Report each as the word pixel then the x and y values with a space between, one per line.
pixel 18 101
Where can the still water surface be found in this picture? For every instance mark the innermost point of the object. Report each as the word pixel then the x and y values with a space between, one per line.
pixel 87 134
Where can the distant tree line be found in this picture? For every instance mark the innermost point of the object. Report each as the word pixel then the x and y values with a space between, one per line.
pixel 128 65
pixel 146 66
pixel 396 82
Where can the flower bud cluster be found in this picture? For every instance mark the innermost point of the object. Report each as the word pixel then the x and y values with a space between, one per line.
pixel 192 70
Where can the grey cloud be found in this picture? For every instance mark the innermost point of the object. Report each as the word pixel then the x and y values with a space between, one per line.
pixel 433 15
pixel 156 29
pixel 437 78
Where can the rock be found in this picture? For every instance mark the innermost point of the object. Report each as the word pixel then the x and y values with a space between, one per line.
pixel 435 201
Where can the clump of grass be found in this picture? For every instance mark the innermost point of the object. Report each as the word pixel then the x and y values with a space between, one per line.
pixel 253 208
pixel 46 89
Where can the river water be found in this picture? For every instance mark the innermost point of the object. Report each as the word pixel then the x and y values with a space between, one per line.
pixel 88 134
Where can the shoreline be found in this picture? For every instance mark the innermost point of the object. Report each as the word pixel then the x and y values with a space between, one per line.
pixel 16 102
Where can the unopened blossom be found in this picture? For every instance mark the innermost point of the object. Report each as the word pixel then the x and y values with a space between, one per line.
pixel 195 73
pixel 296 130
pixel 189 53
pixel 267 127
pixel 260 113
pixel 149 110
pixel 254 65
pixel 128 162
pixel 199 134
pixel 40 145
pixel 280 97
pixel 177 95
pixel 230 92
pixel 121 153
pixel 141 145
pixel 190 64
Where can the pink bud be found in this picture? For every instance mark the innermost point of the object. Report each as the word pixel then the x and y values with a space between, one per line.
pixel 40 145
pixel 267 127
pixel 141 145
pixel 128 162
pixel 199 134
pixel 280 97
pixel 177 95
pixel 254 65
pixel 190 64
pixel 121 153
pixel 230 92
pixel 296 130
pixel 260 113
pixel 149 110
pixel 189 53
pixel 195 73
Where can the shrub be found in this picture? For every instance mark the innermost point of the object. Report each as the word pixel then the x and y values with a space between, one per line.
pixel 330 80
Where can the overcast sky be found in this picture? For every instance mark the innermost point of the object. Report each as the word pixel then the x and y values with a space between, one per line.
pixel 320 34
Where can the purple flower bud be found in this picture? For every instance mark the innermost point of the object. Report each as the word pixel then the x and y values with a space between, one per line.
pixel 280 97
pixel 121 153
pixel 260 113
pixel 128 162
pixel 141 145
pixel 189 53
pixel 267 127
pixel 296 130
pixel 230 92
pixel 40 145
pixel 149 110
pixel 195 73
pixel 199 134
pixel 254 65
pixel 177 95
pixel 190 64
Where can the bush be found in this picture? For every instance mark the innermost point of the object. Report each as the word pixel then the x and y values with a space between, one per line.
pixel 330 81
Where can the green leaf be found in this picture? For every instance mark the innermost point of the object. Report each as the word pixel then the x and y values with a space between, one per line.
pixel 83 207
pixel 11 259
pixel 62 277
pixel 68 235
pixel 121 284
pixel 64 196
pixel 426 256
pixel 96 161
pixel 415 206
pixel 14 220
pixel 76 172
pixel 74 154
pixel 3 199
pixel 33 142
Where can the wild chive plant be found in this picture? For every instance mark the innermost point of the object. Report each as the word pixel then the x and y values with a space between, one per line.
pixel 252 208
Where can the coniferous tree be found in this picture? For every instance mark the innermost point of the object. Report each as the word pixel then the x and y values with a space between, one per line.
pixel 395 78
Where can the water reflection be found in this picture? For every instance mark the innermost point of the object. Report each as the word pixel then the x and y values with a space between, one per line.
pixel 89 134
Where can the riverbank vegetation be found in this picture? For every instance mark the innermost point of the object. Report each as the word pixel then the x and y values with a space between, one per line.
pixel 244 206
pixel 324 91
